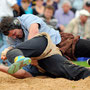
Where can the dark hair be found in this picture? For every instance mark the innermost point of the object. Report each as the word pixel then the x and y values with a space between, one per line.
pixel 49 7
pixel 9 23
pixel 88 3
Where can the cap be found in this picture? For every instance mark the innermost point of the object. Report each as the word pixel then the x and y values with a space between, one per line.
pixel 84 12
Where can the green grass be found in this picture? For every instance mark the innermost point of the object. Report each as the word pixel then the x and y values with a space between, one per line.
pixel 81 63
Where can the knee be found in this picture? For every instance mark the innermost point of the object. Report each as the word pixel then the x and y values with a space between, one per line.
pixel 11 54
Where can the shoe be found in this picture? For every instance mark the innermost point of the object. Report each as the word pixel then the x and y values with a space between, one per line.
pixel 88 61
pixel 18 65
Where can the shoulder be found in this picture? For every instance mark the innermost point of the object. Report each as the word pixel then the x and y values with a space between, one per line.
pixel 74 21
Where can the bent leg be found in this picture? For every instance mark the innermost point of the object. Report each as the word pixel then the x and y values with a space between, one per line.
pixel 29 48
pixel 33 47
pixel 61 67
pixel 82 48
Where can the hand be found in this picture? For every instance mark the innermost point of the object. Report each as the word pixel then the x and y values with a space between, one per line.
pixel 34 62
pixel 62 28
pixel 3 54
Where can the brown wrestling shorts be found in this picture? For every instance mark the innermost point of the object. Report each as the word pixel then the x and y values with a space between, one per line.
pixel 67 45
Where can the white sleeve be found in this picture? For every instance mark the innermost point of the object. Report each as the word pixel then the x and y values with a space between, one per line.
pixel 12 2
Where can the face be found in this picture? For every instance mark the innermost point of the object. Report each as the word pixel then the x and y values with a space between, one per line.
pixel 25 5
pixel 48 13
pixel 66 7
pixel 15 33
pixel 84 19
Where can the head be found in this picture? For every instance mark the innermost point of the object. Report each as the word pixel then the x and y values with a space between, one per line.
pixel 39 3
pixel 84 14
pixel 87 6
pixel 49 11
pixel 66 6
pixel 11 27
pixel 25 4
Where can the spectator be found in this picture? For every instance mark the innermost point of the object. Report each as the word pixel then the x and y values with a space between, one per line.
pixel 64 15
pixel 80 26
pixel 39 8
pixel 86 7
pixel 24 8
pixel 25 5
pixel 7 7
pixel 54 3
pixel 48 16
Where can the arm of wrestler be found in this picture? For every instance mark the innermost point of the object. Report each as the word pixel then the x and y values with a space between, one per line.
pixel 4 52
pixel 33 30
pixel 19 74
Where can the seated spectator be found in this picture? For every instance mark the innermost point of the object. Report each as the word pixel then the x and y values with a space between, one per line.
pixel 80 26
pixel 54 3
pixel 24 8
pixel 48 16
pixel 25 5
pixel 86 7
pixel 39 8
pixel 64 15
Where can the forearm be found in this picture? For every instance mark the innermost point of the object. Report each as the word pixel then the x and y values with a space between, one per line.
pixel 19 74
pixel 33 30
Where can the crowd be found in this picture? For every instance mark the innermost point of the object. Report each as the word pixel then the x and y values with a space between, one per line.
pixel 71 16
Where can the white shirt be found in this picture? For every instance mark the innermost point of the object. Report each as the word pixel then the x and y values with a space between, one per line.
pixel 6 7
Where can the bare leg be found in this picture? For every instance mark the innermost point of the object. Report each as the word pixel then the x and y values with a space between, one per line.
pixel 19 74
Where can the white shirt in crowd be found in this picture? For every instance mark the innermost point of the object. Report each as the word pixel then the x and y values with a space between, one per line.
pixel 6 7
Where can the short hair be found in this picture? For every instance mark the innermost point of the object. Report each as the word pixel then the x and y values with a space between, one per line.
pixel 66 2
pixel 50 7
pixel 9 23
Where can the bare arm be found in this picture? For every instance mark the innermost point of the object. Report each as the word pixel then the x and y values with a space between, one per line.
pixel 19 74
pixel 4 52
pixel 33 30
